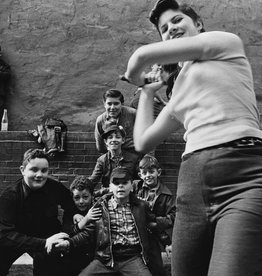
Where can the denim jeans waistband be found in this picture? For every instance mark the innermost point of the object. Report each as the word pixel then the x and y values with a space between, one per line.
pixel 241 142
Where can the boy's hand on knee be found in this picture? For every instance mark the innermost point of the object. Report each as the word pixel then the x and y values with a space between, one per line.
pixel 53 240
pixel 62 246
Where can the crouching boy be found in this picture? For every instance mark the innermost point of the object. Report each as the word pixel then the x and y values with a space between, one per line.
pixel 121 233
pixel 29 217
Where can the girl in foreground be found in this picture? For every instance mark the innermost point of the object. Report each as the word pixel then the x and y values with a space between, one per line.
pixel 218 226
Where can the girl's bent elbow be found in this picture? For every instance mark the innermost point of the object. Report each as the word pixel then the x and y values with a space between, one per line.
pixel 143 148
pixel 138 147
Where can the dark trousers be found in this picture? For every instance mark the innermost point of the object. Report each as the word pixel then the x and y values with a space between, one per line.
pixel 218 226
pixel 43 264
pixel 155 263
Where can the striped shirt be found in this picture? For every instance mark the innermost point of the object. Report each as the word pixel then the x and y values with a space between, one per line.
pixel 123 228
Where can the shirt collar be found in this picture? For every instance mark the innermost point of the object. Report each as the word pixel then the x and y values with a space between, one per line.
pixel 115 204
pixel 116 119
pixel 151 189
pixel 120 156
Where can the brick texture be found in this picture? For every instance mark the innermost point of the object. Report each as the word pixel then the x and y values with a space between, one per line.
pixel 80 157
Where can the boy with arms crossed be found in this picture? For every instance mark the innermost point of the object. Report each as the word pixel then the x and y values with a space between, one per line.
pixel 162 203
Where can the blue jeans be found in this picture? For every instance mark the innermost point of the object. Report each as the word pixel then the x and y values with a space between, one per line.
pixel 218 227
pixel 130 267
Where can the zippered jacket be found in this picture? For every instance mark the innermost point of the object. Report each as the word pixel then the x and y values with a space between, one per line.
pixel 101 232
pixel 163 206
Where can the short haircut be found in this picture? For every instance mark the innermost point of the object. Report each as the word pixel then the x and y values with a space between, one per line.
pixel 32 154
pixel 81 183
pixel 113 93
pixel 164 5
pixel 149 162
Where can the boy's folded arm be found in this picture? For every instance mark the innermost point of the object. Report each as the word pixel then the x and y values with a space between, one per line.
pixel 167 221
pixel 164 223
pixel 151 217
pixel 85 234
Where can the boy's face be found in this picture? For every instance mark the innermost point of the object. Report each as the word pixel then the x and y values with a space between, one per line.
pixel 150 176
pixel 82 199
pixel 113 107
pixel 114 141
pixel 121 189
pixel 35 173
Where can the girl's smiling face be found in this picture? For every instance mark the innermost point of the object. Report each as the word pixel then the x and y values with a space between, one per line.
pixel 35 173
pixel 175 24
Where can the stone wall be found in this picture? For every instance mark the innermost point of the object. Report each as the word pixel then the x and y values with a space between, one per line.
pixel 65 53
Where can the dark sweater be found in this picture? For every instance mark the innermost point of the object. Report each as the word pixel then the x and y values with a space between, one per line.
pixel 28 217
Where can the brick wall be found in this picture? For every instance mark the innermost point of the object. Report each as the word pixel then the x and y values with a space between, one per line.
pixel 80 157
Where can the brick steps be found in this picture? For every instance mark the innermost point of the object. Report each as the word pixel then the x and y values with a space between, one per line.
pixel 80 157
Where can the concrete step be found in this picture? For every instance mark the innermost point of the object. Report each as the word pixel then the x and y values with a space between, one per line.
pixel 23 266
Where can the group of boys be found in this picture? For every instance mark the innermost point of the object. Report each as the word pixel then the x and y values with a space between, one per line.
pixel 120 231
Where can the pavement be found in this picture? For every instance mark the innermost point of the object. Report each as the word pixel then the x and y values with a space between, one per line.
pixel 23 266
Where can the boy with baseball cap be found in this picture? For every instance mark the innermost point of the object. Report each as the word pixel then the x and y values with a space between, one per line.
pixel 121 232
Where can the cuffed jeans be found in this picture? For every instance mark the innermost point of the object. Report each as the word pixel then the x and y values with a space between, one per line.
pixel 218 227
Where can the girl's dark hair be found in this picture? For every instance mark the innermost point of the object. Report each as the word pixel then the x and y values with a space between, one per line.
pixel 113 93
pixel 81 183
pixel 32 154
pixel 160 7
pixel 173 71
pixel 164 5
